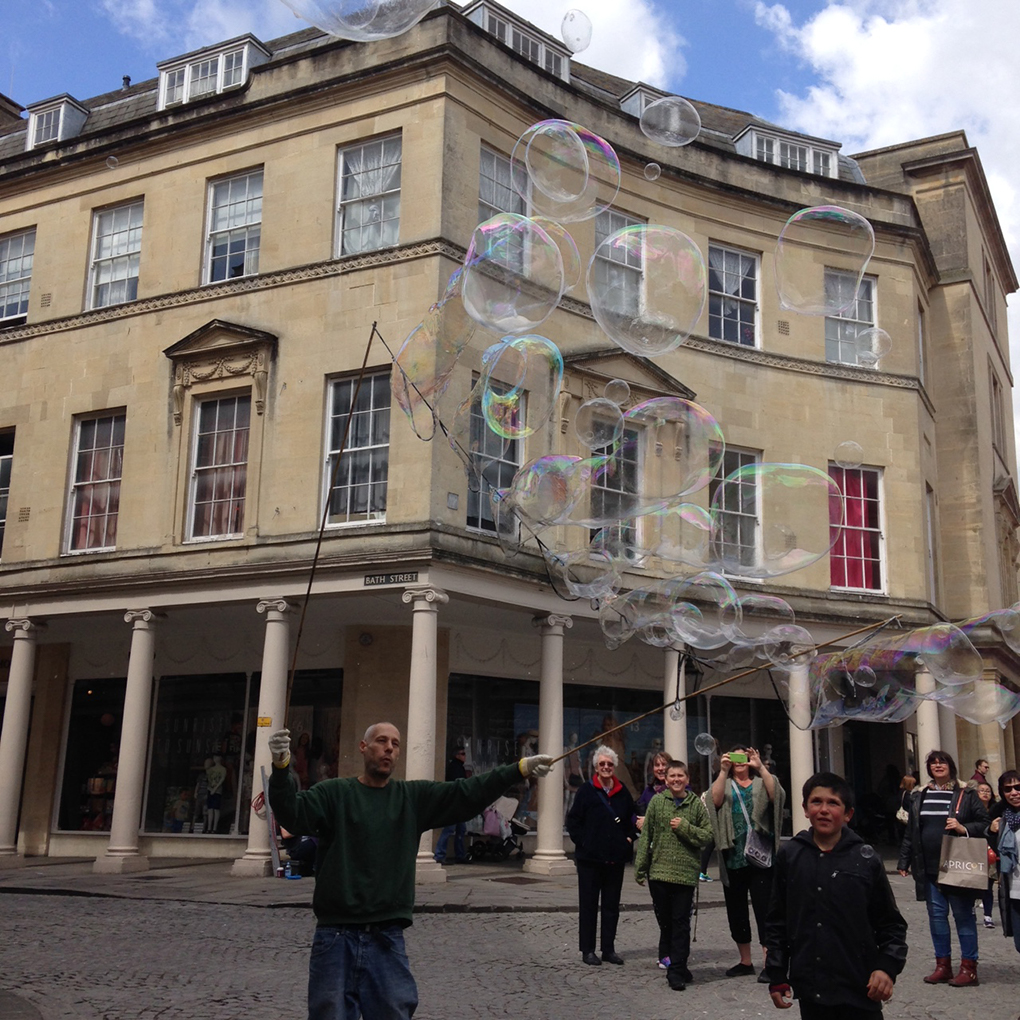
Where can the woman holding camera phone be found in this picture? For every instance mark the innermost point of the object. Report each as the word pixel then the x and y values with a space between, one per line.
pixel 745 807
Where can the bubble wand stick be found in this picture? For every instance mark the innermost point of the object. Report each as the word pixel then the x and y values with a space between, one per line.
pixel 712 687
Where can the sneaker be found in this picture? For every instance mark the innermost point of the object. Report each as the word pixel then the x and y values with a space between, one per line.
pixel 989 923
pixel 664 963
pixel 704 878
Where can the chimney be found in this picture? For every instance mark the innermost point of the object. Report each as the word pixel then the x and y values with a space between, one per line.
pixel 126 82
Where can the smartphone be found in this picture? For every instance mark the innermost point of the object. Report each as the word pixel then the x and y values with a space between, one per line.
pixel 738 757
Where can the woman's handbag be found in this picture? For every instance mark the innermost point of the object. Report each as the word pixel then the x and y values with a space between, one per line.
pixel 902 816
pixel 964 862
pixel 758 848
pixel 993 859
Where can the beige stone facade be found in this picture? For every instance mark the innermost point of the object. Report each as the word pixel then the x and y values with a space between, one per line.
pixel 934 420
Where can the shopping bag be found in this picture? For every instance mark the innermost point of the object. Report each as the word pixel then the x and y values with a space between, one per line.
pixel 964 863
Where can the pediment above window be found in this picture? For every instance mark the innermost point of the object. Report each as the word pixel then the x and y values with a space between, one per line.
pixel 221 350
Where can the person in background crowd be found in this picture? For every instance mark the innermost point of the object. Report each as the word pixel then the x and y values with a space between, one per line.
pixel 656 785
pixel 455 769
pixel 907 784
pixel 744 790
pixel 981 768
pixel 987 797
pixel 940 808
pixel 601 824
pixel 1004 830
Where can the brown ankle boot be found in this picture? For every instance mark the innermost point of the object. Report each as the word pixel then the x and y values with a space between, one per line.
pixel 967 976
pixel 943 971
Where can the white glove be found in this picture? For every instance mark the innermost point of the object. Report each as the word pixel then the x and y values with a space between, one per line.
pixel 279 747
pixel 538 765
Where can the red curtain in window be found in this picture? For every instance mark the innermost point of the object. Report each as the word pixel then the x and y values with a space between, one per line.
pixel 851 565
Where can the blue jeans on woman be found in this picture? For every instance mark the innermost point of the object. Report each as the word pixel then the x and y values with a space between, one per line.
pixel 357 971
pixel 961 902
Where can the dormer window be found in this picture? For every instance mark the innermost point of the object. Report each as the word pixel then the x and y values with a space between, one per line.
pixel 640 97
pixel 804 154
pixel 55 120
pixel 521 37
pixel 209 72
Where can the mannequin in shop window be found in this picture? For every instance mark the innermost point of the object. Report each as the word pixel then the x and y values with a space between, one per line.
pixel 216 776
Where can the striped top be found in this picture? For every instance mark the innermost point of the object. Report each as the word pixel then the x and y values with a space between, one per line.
pixel 935 808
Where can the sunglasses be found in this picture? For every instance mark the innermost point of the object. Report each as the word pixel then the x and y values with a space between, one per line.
pixel 937 761
pixel 1010 789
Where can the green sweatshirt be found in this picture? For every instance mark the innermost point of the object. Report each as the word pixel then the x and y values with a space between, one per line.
pixel 371 835
pixel 672 855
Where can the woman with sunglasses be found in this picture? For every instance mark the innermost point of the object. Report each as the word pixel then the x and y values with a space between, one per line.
pixel 943 807
pixel 1004 829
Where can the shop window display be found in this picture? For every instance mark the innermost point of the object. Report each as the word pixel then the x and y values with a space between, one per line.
pixel 90 762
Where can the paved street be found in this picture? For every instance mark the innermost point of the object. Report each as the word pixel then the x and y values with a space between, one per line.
pixel 95 957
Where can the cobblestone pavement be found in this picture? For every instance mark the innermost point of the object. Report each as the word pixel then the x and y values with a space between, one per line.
pixel 91 958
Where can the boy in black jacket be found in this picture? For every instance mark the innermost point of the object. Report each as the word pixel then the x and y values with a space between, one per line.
pixel 833 931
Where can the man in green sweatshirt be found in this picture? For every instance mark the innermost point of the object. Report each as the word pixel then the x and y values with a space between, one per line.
pixel 370 828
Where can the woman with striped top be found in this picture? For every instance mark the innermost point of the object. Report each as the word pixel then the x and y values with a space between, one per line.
pixel 943 807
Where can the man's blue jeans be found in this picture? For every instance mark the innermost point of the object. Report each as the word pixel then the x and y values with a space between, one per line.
pixel 458 831
pixel 961 903
pixel 355 972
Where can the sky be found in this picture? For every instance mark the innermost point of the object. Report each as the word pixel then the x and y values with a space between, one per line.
pixel 865 73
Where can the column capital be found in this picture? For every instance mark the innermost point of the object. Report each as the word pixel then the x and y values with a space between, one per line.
pixel 136 616
pixel 280 605
pixel 425 597
pixel 553 620
pixel 24 626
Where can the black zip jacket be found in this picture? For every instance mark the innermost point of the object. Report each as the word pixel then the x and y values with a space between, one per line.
pixel 832 921
pixel 593 826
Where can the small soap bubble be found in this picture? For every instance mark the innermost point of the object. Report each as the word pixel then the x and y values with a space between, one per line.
pixel 705 744
pixel 671 121
pixel 848 454
pixel 848 241
pixel 617 391
pixel 867 851
pixel 676 710
pixel 652 171
pixel 576 31
pixel 871 346
pixel 112 162
pixel 598 424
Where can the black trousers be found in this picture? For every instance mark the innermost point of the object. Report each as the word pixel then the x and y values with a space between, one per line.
pixel 673 903
pixel 811 1011
pixel 597 882
pixel 743 881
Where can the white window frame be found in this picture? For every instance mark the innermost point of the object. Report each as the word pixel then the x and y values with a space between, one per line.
pixel 54 120
pixel 842 329
pixel 625 466
pixel 532 47
pixel 492 457
pixel 16 256
pixel 623 268
pixel 46 126
pixel 794 156
pixel 97 469
pixel 998 413
pixel 6 465
pixel 496 193
pixel 790 153
pixel 234 216
pixel 375 211
pixel 368 442
pixel 181 81
pixel 734 458
pixel 221 460
pixel 838 474
pixel 116 254
pixel 723 296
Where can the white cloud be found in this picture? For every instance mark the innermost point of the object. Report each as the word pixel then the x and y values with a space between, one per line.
pixel 893 70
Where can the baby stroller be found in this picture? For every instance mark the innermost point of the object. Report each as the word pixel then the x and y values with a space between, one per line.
pixel 500 835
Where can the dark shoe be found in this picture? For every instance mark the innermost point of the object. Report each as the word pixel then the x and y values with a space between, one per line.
pixel 612 957
pixel 740 970
pixel 943 971
pixel 676 982
pixel 462 860
pixel 591 959
pixel 967 976
pixel 763 978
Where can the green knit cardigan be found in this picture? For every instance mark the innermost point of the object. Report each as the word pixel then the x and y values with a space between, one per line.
pixel 672 855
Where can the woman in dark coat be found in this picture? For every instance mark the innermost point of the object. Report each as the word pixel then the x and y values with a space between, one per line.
pixel 601 824
pixel 941 808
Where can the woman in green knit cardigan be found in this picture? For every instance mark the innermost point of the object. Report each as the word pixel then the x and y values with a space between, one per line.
pixel 669 855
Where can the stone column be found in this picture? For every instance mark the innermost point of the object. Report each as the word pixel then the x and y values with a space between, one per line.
pixel 928 738
pixel 122 854
pixel 14 735
pixel 837 751
pixel 802 751
pixel 258 859
pixel 420 738
pixel 549 858
pixel 674 731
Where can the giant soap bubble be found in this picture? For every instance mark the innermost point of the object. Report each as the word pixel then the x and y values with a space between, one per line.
pixel 362 20
pixel 647 287
pixel 772 519
pixel 871 346
pixel 520 369
pixel 821 256
pixel 557 161
pixel 671 121
pixel 513 274
pixel 598 423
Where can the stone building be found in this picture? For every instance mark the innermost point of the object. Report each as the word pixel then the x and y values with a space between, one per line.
pixel 193 270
